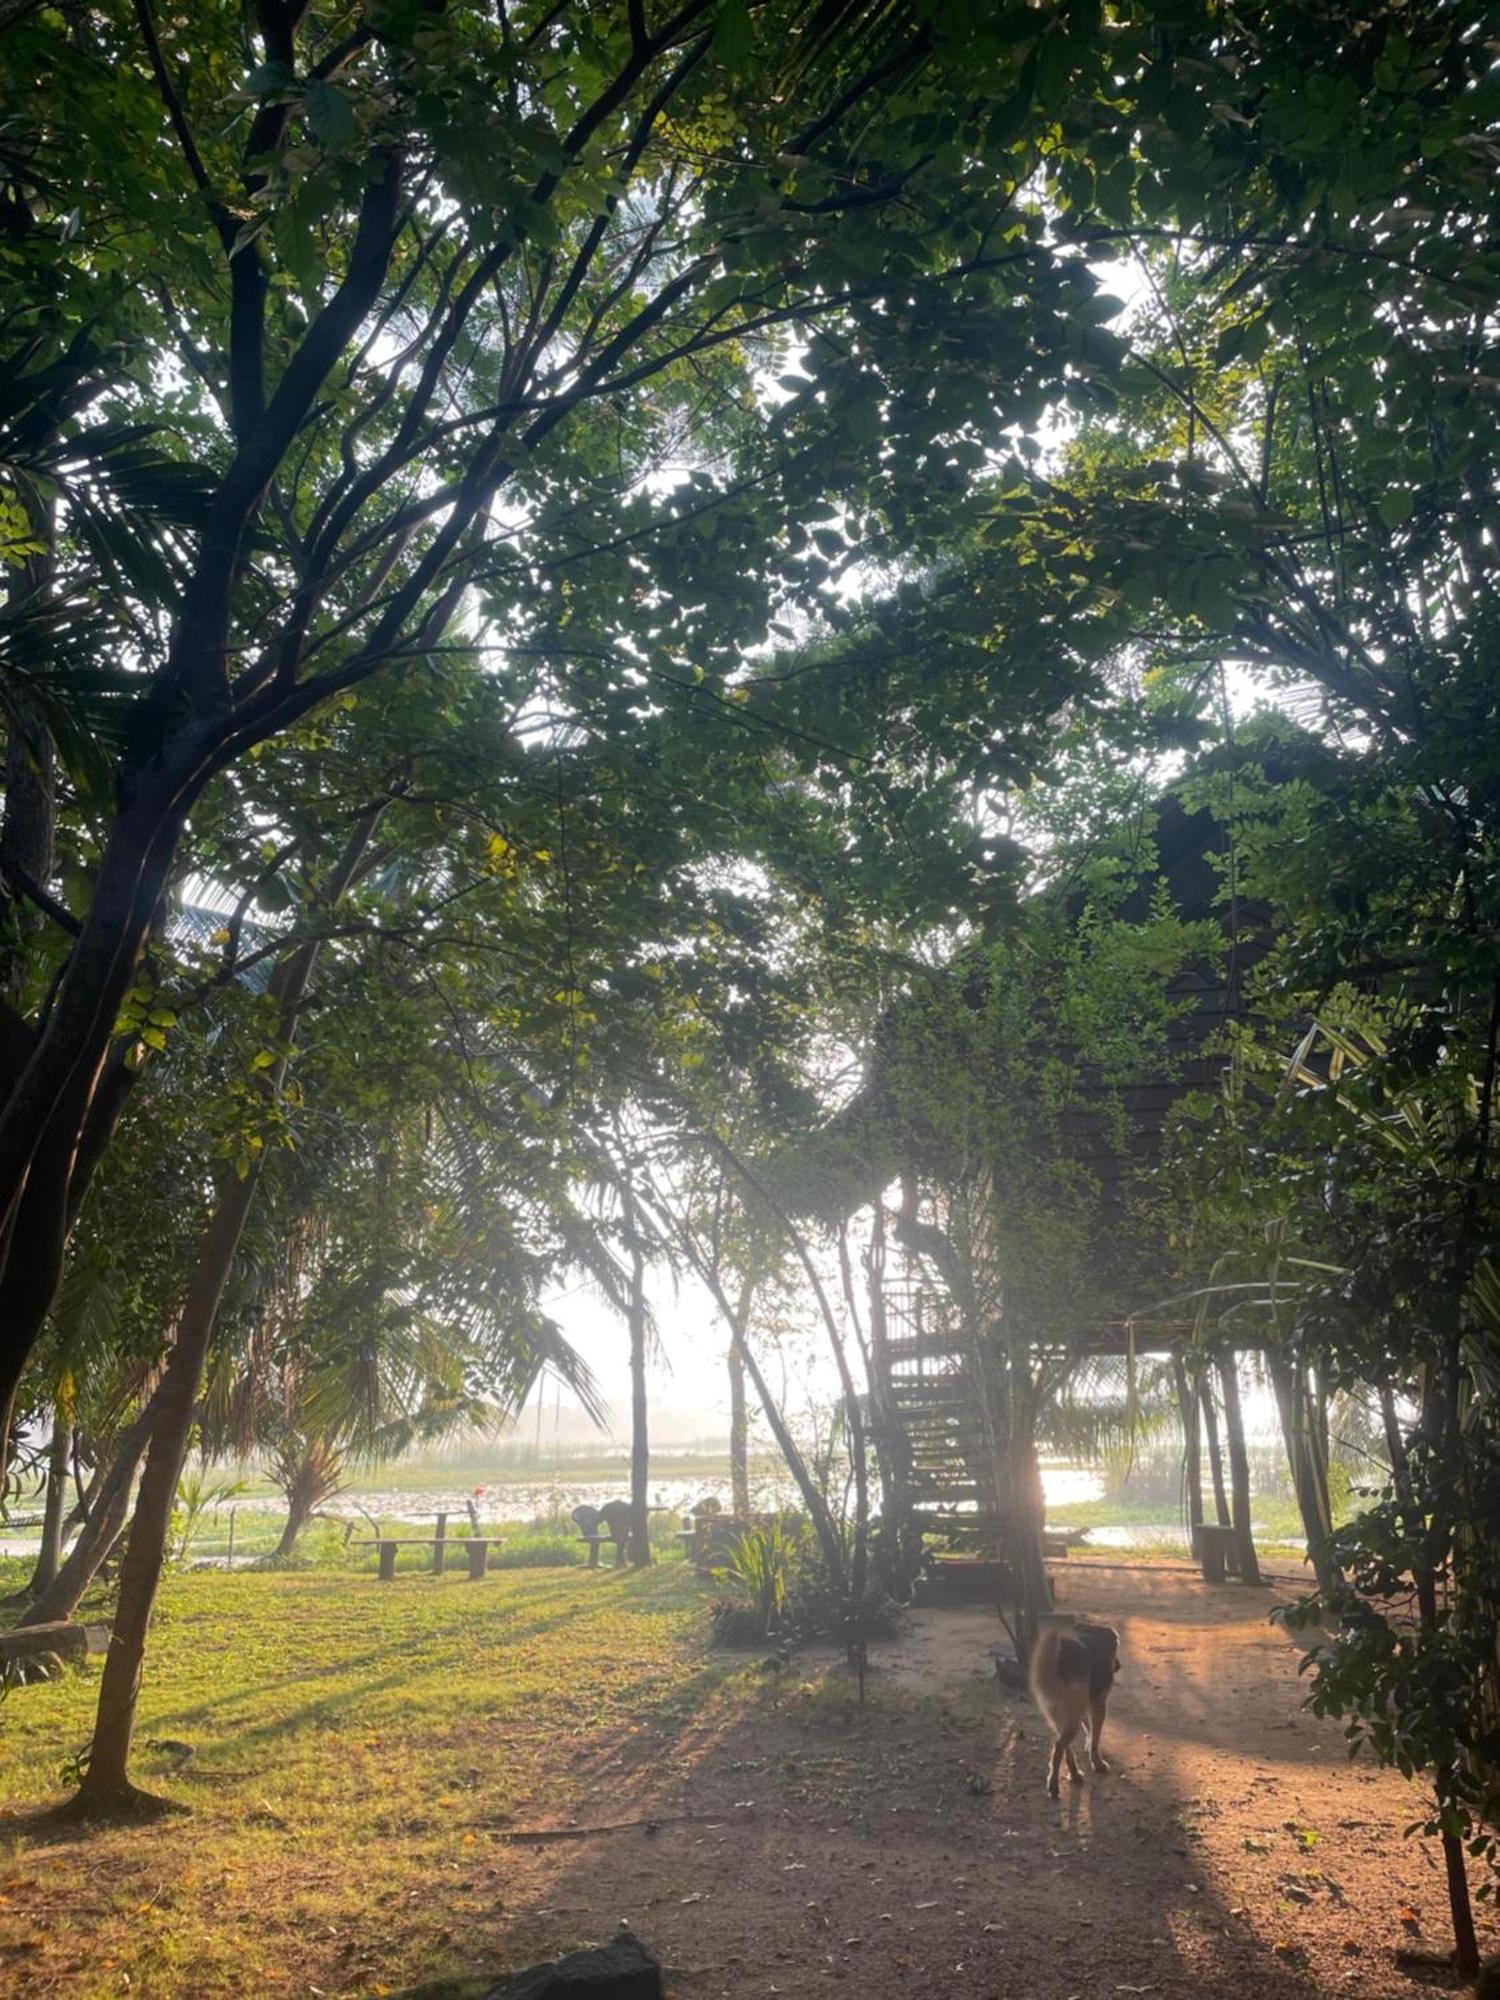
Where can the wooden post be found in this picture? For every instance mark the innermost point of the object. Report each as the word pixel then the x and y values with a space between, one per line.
pixel 387 1560
pixel 479 1558
pixel 439 1548
pixel 593 1542
pixel 1211 1547
pixel 229 1559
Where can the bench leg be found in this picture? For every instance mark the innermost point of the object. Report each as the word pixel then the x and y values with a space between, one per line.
pixel 479 1558
pixel 387 1561
pixel 619 1555
pixel 593 1555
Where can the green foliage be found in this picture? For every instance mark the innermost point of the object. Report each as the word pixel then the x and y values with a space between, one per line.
pixel 539 1548
pixel 196 1497
pixel 763 1564
pixel 1424 1693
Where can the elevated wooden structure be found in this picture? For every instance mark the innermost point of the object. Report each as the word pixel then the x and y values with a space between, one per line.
pixel 933 1387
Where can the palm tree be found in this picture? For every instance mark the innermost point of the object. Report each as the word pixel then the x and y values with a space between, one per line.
pixel 381 1305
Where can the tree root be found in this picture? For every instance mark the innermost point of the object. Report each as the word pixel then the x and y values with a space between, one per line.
pixel 117 1805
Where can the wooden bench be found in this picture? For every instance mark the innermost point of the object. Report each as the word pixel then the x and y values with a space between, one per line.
pixel 476 1547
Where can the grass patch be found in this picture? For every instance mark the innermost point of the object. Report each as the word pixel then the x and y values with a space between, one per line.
pixel 358 1751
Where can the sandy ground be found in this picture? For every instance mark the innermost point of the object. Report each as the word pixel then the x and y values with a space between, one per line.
pixel 909 1848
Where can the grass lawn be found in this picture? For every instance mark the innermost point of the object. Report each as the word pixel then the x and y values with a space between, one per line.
pixel 358 1751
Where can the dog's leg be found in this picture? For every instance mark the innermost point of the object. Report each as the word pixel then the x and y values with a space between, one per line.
pixel 1063 1747
pixel 1096 1730
pixel 1054 1789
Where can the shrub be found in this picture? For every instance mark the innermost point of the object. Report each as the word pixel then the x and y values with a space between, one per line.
pixel 736 1623
pixel 761 1566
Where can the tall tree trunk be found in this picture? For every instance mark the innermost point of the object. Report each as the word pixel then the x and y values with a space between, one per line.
pixel 309 1473
pixel 1192 1442
pixel 739 1432
pixel 106 1786
pixel 854 1419
pixel 84 1496
pixel 830 1542
pixel 190 732
pixel 103 1528
pixel 51 1141
pixel 1395 1445
pixel 298 1510
pixel 49 1555
pixel 1308 1467
pixel 1028 1512
pixel 1215 1457
pixel 1439 1422
pixel 28 829
pixel 640 1441
pixel 1239 1468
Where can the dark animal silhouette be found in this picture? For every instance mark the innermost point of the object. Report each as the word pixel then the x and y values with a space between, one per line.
pixel 612 1519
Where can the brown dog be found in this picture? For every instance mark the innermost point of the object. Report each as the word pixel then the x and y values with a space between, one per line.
pixel 1071 1676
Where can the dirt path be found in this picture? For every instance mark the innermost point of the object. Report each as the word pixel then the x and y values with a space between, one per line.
pixel 910 1848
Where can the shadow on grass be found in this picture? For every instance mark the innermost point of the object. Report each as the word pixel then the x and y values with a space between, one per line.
pixel 550 1612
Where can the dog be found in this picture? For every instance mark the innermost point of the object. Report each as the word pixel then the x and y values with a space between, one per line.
pixel 1071 1676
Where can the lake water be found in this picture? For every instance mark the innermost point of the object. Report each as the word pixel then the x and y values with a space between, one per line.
pixel 556 1494
pixel 524 1500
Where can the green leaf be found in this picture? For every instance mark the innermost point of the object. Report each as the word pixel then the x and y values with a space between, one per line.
pixel 268 77
pixel 734 34
pixel 1395 506
pixel 331 115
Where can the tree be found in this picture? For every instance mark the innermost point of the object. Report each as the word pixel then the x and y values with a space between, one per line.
pixel 1380 1273
pixel 427 261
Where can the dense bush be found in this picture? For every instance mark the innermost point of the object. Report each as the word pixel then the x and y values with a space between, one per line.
pixel 778 1588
